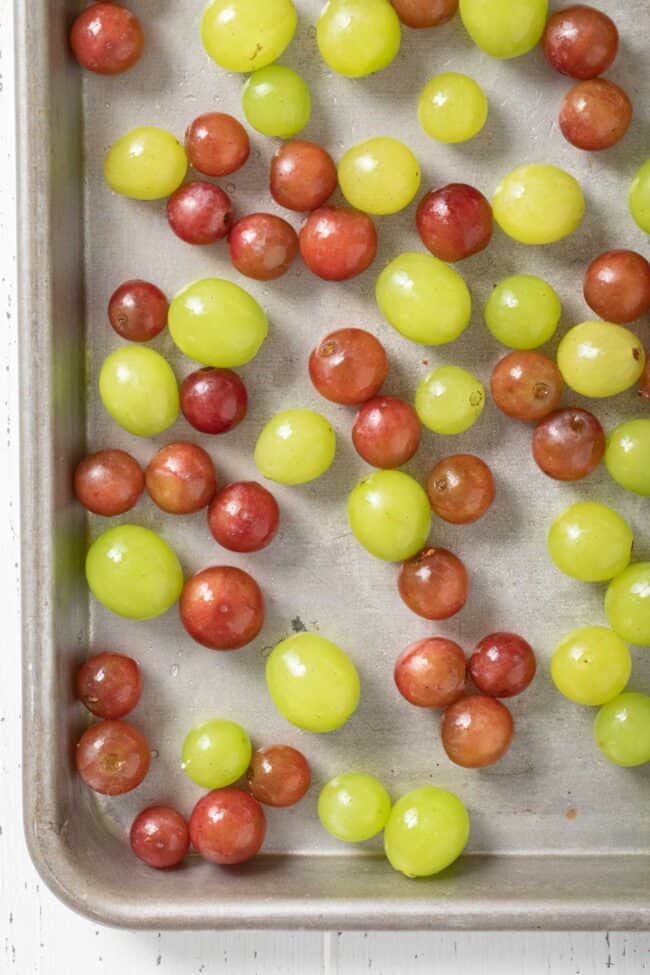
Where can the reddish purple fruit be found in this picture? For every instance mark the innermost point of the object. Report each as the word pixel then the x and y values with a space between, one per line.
pixel 213 400
pixel 386 432
pixel 227 826
pixel 454 222
pixel 431 673
pixel 222 608
pixel 108 482
pixel 200 213
pixel 109 684
pixel 137 310
pixel 526 385
pixel 106 38
pixel 569 444
pixel 216 144
pixel 279 775
pixel 303 176
pixel 348 366
pixel 595 114
pixel 434 584
pixel 617 286
pixel 580 41
pixel 181 478
pixel 160 837
pixel 502 665
pixel 460 488
pixel 244 517
pixel 338 243
pixel 263 246
pixel 476 731
pixel 112 757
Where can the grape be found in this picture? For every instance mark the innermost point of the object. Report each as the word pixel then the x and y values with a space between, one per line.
pixel 580 41
pixel 600 359
pixel 523 312
pixel 449 400
pixel 244 517
pixel 434 584
pixel 147 163
pixel 106 38
pixel 423 299
pixel 569 444
pixel 476 731
pixel 227 826
pixel 591 665
pixel 112 757
pixel 454 222
pixel 312 682
pixel 134 572
pixel 295 447
pixel 590 541
pixel 639 198
pixel 200 213
pixel 595 114
pixel 538 204
pixel 279 775
pixel 303 176
pixel 502 665
pixel 427 830
pixel 276 101
pixel 379 176
pixel 216 753
pixel 425 13
pixel 389 515
pixel 137 311
pixel 348 366
pixel 504 30
pixel 263 246
pixel 338 243
pixel 214 400
pixel 461 488
pixel 108 482
pixel 526 385
pixel 160 837
pixel 109 684
pixel 353 807
pixel 617 286
pixel 243 35
pixel 181 478
pixel 628 456
pixel 622 730
pixel 386 432
pixel 216 144
pixel 627 603
pixel 431 673
pixel 222 608
pixel 452 107
pixel 139 390
pixel 217 323
pixel 358 37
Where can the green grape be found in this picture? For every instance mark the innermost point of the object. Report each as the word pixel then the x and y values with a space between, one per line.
pixel 449 400
pixel 600 359
pixel 216 753
pixel 243 35
pixel 145 164
pixel 276 101
pixel 357 37
pixel 389 514
pixel 622 730
pixel 538 204
pixel 133 572
pixel 452 107
pixel 590 541
pixel 424 299
pixel 639 198
pixel 139 390
pixel 523 311
pixel 380 176
pixel 353 807
pixel 504 29
pixel 295 446
pixel 217 323
pixel 628 456
pixel 627 603
pixel 426 831
pixel 312 682
pixel 591 665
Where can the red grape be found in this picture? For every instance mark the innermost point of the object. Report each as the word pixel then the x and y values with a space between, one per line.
pixel 454 222
pixel 160 837
pixel 213 400
pixel 580 41
pixel 200 213
pixel 461 488
pixel 227 826
pixel 569 444
pixel 386 432
pixel 181 478
pixel 109 684
pixel 434 584
pixel 222 608
pixel 526 385
pixel 279 775
pixel 137 310
pixel 595 114
pixel 431 673
pixel 502 665
pixel 112 757
pixel 303 176
pixel 338 243
pixel 108 482
pixel 262 246
pixel 106 38
pixel 348 366
pixel 476 731
pixel 425 13
pixel 216 144
pixel 244 517
pixel 617 286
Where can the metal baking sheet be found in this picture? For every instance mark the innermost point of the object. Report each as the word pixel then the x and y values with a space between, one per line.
pixel 559 837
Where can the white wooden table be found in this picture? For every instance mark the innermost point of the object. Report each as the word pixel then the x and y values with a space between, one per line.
pixel 38 936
